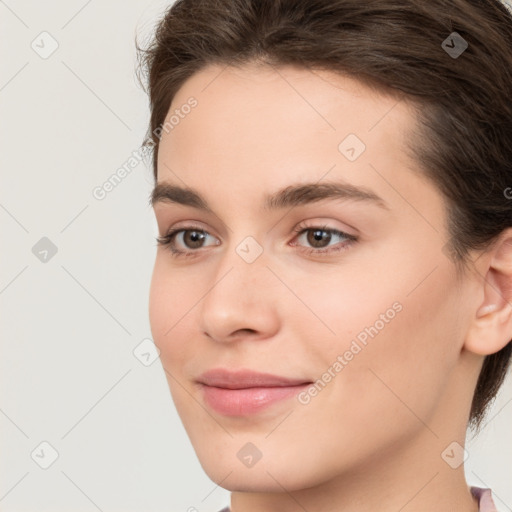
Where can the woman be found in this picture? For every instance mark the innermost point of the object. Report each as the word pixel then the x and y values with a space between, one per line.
pixel 332 291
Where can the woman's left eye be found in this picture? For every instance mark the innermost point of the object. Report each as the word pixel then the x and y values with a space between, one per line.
pixel 318 237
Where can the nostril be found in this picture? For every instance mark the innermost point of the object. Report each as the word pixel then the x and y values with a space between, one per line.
pixel 245 331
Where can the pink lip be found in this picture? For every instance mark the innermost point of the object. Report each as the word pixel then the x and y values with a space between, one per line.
pixel 246 392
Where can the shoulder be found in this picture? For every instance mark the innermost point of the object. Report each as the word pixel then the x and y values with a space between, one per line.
pixel 485 501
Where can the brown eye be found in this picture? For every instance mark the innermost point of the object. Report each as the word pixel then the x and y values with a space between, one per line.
pixel 189 238
pixel 193 238
pixel 318 238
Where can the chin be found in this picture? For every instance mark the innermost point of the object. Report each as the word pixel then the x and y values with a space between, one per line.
pixel 269 475
pixel 247 480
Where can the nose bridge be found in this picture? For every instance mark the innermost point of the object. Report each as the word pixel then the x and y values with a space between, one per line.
pixel 239 295
pixel 241 267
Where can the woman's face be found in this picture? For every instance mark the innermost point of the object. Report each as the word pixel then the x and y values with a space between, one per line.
pixel 346 294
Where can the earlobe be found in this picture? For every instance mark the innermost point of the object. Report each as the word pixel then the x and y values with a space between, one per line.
pixel 491 329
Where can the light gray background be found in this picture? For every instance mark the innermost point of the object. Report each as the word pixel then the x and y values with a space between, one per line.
pixel 70 325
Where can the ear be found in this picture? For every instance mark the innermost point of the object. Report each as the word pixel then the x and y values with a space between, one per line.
pixel 491 328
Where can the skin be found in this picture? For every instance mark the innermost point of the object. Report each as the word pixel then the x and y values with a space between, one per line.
pixel 373 438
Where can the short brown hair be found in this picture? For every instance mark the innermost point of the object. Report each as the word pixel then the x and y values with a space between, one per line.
pixel 463 102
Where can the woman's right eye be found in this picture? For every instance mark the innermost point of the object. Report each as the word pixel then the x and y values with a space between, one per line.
pixel 191 237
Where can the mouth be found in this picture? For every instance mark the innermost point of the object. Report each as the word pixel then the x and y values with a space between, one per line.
pixel 246 392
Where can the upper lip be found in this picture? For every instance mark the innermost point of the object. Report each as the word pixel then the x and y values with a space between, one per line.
pixel 241 379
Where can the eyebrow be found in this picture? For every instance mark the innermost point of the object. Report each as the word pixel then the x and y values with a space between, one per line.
pixel 290 196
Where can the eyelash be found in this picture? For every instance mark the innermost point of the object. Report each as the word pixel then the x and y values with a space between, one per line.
pixel 167 241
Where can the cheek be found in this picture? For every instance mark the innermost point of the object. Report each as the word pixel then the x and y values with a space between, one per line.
pixel 343 307
pixel 399 339
pixel 409 364
pixel 170 300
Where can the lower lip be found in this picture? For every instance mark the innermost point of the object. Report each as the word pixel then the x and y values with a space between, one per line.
pixel 241 402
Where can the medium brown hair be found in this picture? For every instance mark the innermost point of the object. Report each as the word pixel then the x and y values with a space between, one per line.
pixel 463 103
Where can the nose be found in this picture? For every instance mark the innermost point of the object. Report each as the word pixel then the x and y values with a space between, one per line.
pixel 241 300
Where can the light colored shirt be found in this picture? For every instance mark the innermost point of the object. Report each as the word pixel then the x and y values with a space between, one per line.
pixel 484 496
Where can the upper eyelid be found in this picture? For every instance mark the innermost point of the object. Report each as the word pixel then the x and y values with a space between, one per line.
pixel 315 224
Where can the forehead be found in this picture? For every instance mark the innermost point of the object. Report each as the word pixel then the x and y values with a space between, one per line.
pixel 280 124
pixel 318 92
pixel 257 130
pixel 261 106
